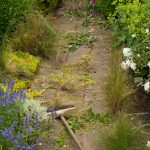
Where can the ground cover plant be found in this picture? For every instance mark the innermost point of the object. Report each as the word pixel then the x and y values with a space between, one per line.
pixel 76 40
pixel 22 121
pixel 17 63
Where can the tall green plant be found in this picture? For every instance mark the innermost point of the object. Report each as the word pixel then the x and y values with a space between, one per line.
pixel 117 88
pixel 35 36
pixel 11 12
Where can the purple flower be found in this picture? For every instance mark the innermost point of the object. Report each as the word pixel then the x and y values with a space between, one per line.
pixel 37 127
pixel 16 144
pixel 19 136
pixel 1 120
pixel 8 133
pixel 30 147
pixel 29 130
pixel 11 84
pixel 14 124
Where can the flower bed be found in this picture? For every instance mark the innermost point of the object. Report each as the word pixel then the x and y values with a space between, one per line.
pixel 22 121
pixel 130 24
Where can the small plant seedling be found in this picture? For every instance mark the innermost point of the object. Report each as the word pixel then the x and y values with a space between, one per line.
pixel 87 57
pixel 85 120
pixel 86 80
pixel 76 40
pixel 61 139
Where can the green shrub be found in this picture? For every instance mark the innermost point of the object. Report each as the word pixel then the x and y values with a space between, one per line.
pixel 35 36
pixel 46 6
pixel 124 136
pixel 21 63
pixel 130 23
pixel 104 6
pixel 11 12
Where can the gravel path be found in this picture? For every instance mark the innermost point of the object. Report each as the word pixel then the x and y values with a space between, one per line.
pixel 92 94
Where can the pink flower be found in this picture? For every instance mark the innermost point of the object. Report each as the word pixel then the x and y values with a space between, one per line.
pixel 93 1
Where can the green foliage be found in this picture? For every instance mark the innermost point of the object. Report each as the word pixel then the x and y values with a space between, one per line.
pixel 61 139
pixel 11 12
pixel 128 19
pixel 76 40
pixel 17 63
pixel 45 6
pixel 86 120
pixel 124 136
pixel 117 88
pixel 35 36
pixel 130 23
pixel 104 7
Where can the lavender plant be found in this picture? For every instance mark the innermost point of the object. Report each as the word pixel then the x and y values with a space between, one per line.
pixel 18 129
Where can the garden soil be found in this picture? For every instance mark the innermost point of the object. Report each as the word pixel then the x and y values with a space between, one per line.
pixel 92 96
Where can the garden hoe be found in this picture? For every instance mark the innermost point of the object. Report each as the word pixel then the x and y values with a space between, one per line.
pixel 56 112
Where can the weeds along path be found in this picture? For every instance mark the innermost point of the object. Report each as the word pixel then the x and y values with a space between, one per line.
pixel 78 76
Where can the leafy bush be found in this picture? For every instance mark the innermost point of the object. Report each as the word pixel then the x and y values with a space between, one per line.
pixel 45 6
pixel 104 7
pixel 21 121
pixel 35 36
pixel 131 26
pixel 10 13
pixel 17 63
pixel 124 136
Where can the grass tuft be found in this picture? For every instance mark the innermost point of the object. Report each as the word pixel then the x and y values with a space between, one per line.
pixel 117 88
pixel 124 136
pixel 35 36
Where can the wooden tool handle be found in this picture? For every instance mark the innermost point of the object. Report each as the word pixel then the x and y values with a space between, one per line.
pixel 71 132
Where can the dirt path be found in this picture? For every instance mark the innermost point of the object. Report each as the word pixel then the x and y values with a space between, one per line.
pixel 92 94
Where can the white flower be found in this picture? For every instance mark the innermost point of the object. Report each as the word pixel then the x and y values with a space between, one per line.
pixel 147 87
pixel 148 64
pixel 127 52
pixel 128 62
pixel 133 35
pixel 147 31
pixel 124 65
pixel 133 66
pixel 138 55
pixel 148 144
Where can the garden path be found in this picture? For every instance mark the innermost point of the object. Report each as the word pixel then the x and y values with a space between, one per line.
pixel 92 94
